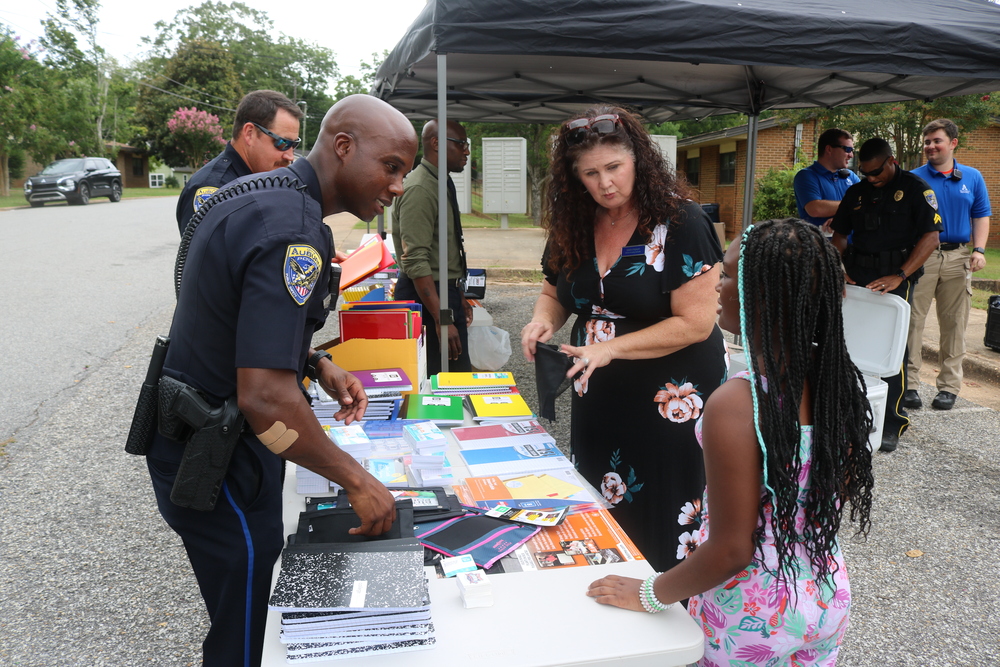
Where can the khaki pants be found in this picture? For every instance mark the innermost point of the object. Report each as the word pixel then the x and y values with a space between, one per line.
pixel 948 281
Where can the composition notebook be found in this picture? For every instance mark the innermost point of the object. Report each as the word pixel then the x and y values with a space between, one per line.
pixel 438 409
pixel 498 407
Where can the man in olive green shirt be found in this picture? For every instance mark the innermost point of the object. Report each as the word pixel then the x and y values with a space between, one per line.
pixel 415 237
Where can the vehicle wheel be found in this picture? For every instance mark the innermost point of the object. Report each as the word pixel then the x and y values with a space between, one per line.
pixel 116 191
pixel 83 198
pixel 35 204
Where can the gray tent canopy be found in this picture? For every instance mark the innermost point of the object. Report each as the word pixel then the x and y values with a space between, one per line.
pixel 538 61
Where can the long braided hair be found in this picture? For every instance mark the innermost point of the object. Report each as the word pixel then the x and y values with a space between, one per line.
pixel 569 211
pixel 791 289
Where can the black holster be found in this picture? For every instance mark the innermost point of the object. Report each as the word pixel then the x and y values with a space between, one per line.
pixel 210 435
pixel 140 433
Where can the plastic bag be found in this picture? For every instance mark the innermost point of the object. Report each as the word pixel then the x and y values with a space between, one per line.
pixel 489 348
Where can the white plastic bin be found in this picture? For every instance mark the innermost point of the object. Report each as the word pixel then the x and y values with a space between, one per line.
pixel 875 327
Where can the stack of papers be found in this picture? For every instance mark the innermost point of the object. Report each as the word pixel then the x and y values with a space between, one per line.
pixel 352 439
pixel 517 459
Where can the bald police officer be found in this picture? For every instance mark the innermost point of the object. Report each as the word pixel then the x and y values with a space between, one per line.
pixel 251 297
pixel 265 134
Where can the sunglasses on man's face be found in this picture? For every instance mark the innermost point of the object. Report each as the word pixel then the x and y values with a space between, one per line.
pixel 280 143
pixel 603 124
pixel 846 149
pixel 462 143
pixel 876 172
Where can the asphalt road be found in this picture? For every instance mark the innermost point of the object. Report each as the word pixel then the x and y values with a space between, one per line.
pixel 91 576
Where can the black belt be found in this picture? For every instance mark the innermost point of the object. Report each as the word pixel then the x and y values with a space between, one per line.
pixel 950 246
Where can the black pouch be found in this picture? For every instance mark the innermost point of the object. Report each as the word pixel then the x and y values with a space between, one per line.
pixel 332 525
pixel 551 365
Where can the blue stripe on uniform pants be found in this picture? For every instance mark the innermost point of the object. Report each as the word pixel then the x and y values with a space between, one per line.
pixel 249 539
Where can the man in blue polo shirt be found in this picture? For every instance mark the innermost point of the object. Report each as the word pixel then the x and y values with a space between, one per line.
pixel 964 206
pixel 820 186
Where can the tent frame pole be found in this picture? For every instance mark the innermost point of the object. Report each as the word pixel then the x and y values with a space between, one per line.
pixel 749 181
pixel 442 104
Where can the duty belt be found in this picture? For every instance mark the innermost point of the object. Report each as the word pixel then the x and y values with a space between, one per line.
pixel 890 258
pixel 950 246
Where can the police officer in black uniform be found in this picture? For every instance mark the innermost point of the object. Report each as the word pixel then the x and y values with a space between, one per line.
pixel 893 222
pixel 265 133
pixel 251 297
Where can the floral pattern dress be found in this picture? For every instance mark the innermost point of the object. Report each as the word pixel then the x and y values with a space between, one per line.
pixel 633 421
pixel 751 621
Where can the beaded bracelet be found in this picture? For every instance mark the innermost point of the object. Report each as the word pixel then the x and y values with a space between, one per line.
pixel 647 596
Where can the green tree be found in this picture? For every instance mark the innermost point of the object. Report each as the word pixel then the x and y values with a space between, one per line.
pixel 200 73
pixel 85 70
pixel 774 196
pixel 262 56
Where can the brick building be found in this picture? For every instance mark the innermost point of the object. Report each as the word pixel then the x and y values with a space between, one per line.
pixel 715 163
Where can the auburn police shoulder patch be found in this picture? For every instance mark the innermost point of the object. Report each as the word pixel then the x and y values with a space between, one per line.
pixel 931 198
pixel 202 195
pixel 302 268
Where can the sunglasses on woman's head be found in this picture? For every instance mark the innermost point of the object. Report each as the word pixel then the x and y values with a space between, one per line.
pixel 280 143
pixel 603 124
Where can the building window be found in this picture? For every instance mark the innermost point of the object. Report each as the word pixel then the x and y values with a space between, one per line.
pixel 137 169
pixel 156 180
pixel 693 170
pixel 727 168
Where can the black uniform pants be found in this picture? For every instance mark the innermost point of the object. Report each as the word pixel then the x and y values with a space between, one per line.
pixel 406 291
pixel 232 549
pixel 896 418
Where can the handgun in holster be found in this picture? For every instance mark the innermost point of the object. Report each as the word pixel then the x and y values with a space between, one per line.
pixel 211 435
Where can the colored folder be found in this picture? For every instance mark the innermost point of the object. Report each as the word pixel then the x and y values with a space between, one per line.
pixel 369 258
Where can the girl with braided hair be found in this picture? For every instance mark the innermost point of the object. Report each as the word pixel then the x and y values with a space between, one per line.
pixel 785 449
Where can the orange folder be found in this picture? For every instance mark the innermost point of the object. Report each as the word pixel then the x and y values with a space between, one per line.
pixel 369 258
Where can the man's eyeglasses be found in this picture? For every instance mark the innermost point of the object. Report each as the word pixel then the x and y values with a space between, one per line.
pixel 876 172
pixel 280 143
pixel 846 149
pixel 462 143
pixel 576 130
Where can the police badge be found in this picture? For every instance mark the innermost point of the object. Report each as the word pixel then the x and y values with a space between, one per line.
pixel 302 268
pixel 201 196
pixel 898 196
pixel 931 198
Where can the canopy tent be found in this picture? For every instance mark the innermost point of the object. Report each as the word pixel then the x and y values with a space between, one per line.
pixel 542 60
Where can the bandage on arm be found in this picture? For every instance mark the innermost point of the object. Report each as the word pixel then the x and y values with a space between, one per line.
pixel 278 437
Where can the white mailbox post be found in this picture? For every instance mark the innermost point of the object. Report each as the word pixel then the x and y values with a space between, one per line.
pixel 463 188
pixel 505 176
pixel 668 147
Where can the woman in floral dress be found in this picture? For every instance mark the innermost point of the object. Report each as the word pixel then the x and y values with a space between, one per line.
pixel 636 262
pixel 785 451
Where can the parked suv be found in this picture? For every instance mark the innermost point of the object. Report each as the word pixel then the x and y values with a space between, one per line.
pixel 75 180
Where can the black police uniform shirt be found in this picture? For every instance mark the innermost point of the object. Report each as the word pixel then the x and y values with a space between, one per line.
pixel 902 210
pixel 225 167
pixel 254 284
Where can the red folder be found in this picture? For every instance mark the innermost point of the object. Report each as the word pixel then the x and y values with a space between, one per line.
pixel 374 324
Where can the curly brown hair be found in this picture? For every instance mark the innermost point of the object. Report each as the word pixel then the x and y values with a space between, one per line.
pixel 570 211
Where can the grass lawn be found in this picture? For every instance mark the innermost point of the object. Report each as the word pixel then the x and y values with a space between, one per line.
pixel 17 196
pixel 474 220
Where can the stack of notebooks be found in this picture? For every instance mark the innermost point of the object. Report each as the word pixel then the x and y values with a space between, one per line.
pixel 344 596
pixel 498 408
pixel 507 434
pixel 428 465
pixel 463 384
pixel 370 257
pixel 442 410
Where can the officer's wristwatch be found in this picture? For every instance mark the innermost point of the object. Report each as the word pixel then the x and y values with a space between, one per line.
pixel 902 274
pixel 312 365
pixel 981 251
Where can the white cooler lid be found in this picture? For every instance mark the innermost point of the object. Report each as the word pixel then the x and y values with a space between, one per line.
pixel 875 327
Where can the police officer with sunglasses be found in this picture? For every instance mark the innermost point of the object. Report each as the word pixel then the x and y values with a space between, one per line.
pixel 265 133
pixel 893 224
